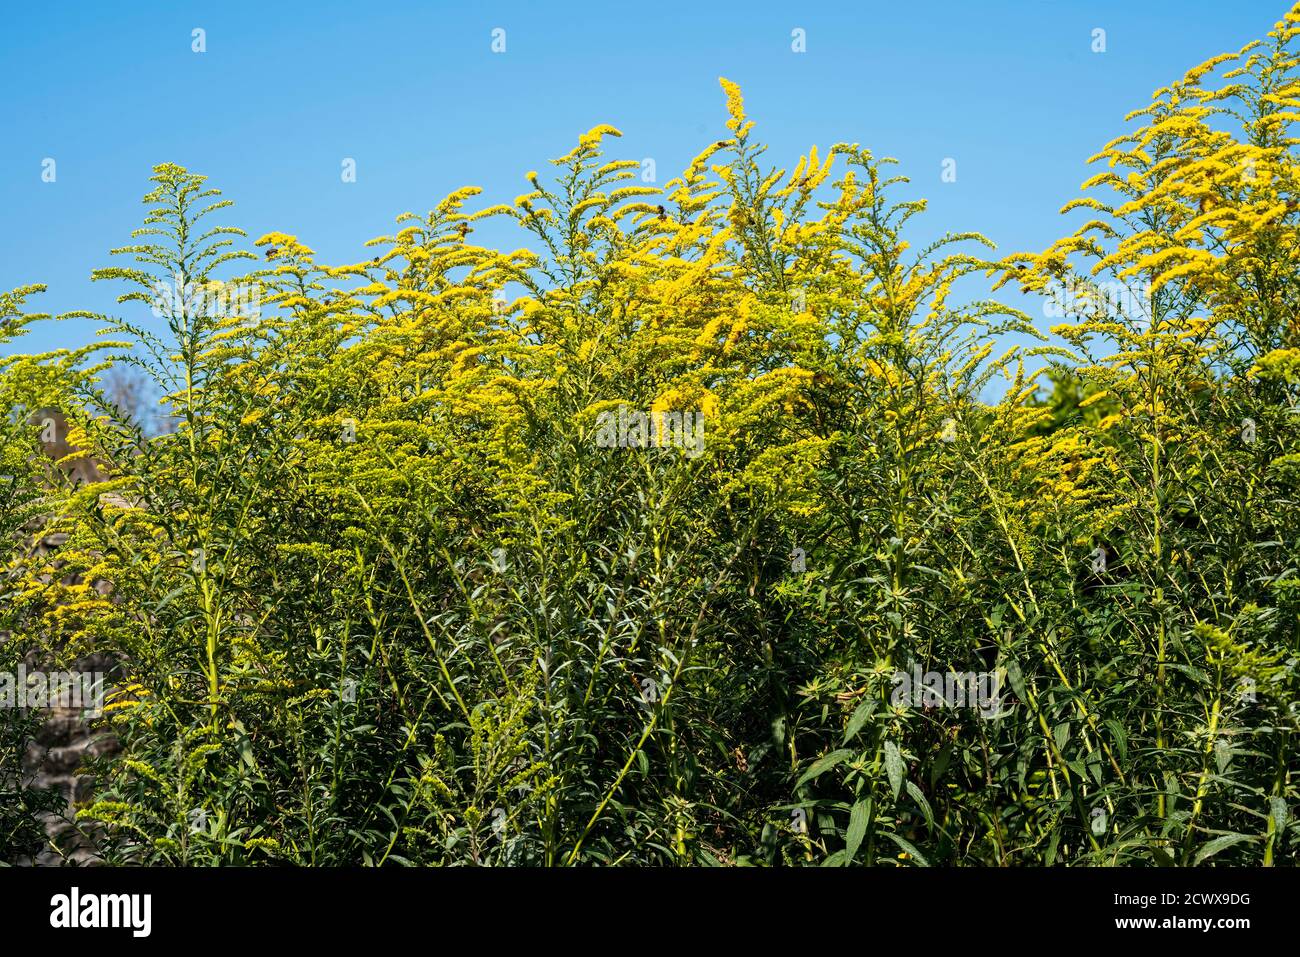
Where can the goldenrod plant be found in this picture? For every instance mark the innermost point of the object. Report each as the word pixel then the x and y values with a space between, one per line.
pixel 28 473
pixel 717 524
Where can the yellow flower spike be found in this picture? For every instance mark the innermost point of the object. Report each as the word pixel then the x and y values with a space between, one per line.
pixel 735 106
pixel 594 135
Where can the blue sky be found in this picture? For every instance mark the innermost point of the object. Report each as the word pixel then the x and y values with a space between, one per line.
pixel 413 92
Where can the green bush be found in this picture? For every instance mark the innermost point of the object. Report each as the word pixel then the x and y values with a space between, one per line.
pixel 394 589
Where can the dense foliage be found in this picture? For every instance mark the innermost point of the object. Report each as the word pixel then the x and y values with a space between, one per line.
pixel 24 383
pixel 388 592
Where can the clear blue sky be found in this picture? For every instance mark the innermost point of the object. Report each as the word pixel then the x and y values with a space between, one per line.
pixel 414 93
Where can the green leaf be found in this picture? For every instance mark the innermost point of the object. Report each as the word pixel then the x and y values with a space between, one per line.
pixel 1277 807
pixel 1218 844
pixel 858 818
pixel 1017 679
pixel 1162 857
pixel 1196 674
pixel 894 767
pixel 860 715
pixel 824 764
pixel 1119 737
pixel 922 803
pixel 1222 754
pixel 907 846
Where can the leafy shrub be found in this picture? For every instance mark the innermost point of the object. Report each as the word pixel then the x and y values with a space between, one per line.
pixel 25 384
pixel 393 591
